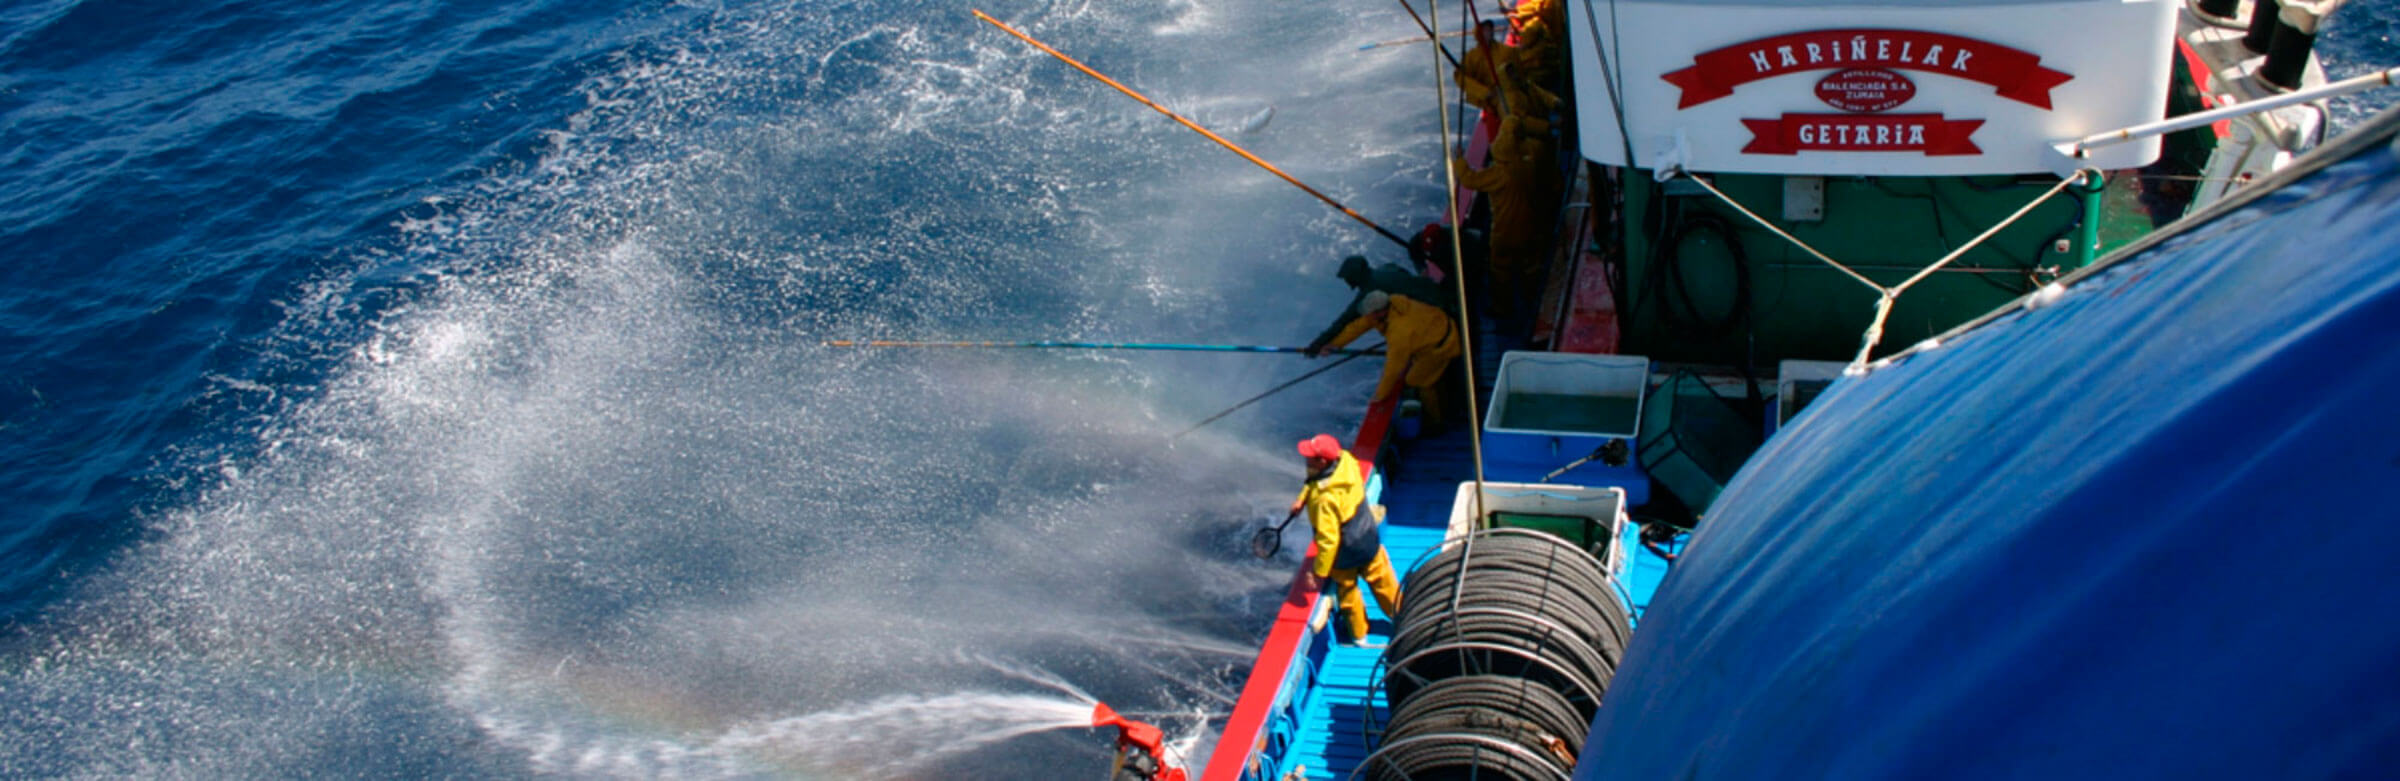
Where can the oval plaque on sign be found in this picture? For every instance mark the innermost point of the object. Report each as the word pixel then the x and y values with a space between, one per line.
pixel 1865 89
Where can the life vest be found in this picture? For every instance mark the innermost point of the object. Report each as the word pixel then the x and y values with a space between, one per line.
pixel 1360 538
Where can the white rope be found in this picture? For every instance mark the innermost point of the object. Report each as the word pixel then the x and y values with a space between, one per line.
pixel 2080 176
pixel 1762 222
pixel 1885 296
pixel 1874 334
pixel 1458 268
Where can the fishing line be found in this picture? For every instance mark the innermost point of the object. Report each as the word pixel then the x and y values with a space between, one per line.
pixel 1412 14
pixel 1353 354
pixel 1401 41
pixel 1059 345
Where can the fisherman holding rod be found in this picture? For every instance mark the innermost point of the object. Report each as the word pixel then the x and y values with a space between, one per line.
pixel 1394 302
pixel 1420 343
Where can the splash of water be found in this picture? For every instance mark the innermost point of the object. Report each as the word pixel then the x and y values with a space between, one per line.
pixel 585 503
pixel 896 734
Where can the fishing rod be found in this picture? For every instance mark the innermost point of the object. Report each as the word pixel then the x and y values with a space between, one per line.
pixel 1403 41
pixel 1055 345
pixel 1352 355
pixel 1246 155
pixel 1437 44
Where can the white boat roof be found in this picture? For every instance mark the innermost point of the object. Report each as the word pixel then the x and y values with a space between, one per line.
pixel 1891 87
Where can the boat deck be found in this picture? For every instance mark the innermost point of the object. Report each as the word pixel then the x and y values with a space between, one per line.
pixel 1334 722
pixel 1346 706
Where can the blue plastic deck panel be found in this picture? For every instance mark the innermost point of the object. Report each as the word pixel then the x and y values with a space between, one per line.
pixel 2146 530
pixel 1341 711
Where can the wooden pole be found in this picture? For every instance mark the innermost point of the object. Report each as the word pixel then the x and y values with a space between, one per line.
pixel 1246 155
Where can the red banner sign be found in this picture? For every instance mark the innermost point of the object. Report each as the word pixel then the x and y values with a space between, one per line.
pixel 2018 75
pixel 1927 133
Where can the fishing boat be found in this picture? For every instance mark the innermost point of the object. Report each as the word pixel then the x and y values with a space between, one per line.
pixel 1913 389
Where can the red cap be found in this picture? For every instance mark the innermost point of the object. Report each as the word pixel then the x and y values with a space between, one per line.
pixel 1321 446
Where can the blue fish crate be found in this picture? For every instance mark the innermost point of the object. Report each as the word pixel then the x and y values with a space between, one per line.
pixel 1549 409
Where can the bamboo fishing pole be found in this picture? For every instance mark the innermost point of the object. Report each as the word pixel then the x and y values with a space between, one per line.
pixel 1437 43
pixel 1353 355
pixel 1057 345
pixel 1246 155
pixel 1401 41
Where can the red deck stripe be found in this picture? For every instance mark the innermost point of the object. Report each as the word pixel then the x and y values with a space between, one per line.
pixel 1245 730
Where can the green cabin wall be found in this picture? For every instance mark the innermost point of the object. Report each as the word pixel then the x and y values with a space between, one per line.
pixel 1886 227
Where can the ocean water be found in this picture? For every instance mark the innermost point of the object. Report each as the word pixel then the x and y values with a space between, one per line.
pixel 2363 37
pixel 435 388
pixel 431 388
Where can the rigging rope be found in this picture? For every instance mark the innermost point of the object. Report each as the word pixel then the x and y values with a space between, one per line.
pixel 1458 276
pixel 1608 73
pixel 1884 296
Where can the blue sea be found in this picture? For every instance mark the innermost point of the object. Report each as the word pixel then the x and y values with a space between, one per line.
pixel 436 388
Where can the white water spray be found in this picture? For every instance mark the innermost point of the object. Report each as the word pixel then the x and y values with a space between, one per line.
pixel 894 735
pixel 587 502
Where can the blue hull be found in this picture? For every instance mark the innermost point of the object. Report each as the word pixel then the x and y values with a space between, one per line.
pixel 2141 531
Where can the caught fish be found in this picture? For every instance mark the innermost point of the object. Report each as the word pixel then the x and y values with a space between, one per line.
pixel 1258 120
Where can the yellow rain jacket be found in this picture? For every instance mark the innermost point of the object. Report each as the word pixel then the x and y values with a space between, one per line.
pixel 1542 16
pixel 1419 338
pixel 1483 69
pixel 1331 500
pixel 1519 183
pixel 1539 23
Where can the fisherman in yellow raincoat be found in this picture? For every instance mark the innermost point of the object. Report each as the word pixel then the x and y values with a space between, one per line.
pixel 1539 24
pixel 1497 78
pixel 1521 183
pixel 1348 545
pixel 1479 73
pixel 1420 341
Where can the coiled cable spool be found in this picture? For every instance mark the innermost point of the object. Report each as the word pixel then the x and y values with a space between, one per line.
pixel 1502 642
pixel 1529 591
pixel 1480 727
pixel 1499 661
pixel 1591 609
pixel 1542 709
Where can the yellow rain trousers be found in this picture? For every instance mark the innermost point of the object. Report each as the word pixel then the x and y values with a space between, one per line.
pixel 1379 579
